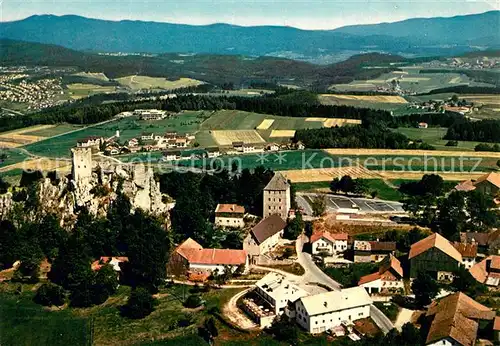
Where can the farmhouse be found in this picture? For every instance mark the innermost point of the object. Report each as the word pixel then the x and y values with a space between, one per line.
pixel 372 251
pixel 488 184
pixel 264 237
pixel 133 142
pixel 181 142
pixel 229 215
pixel 484 241
pixel 277 197
pixel 468 252
pixel 270 298
pixel 487 271
pixel 190 257
pixel 329 243
pixel 273 147
pixel 213 152
pixel 150 114
pixel 322 312
pixel 172 155
pixel 387 280
pixel 454 320
pixel 436 256
pixel 147 136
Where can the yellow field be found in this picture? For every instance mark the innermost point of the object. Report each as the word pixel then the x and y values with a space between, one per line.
pixel 265 124
pixel 401 152
pixel 144 82
pixel 317 119
pixel 340 122
pixel 373 98
pixel 16 138
pixel 483 99
pixel 282 133
pixel 41 165
pixel 227 137
pixel 411 79
pixel 328 174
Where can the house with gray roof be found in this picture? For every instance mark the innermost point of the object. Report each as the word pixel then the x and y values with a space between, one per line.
pixel 264 237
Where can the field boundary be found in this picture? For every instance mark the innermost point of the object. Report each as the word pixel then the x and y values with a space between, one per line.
pixel 408 152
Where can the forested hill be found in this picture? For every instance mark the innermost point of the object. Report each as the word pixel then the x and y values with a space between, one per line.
pixel 217 69
pixel 433 36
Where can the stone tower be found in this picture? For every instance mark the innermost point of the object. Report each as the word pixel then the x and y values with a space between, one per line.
pixel 82 164
pixel 277 197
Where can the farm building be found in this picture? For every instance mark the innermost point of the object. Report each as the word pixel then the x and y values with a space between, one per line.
pixel 91 141
pixel 150 114
pixel 270 298
pixel 277 197
pixel 436 256
pixel 190 257
pixel 387 280
pixel 329 243
pixel 468 252
pixel 372 251
pixel 229 215
pixel 324 311
pixel 454 320
pixel 264 237
pixel 488 184
pixel 172 155
pixel 484 241
pixel 213 152
pixel 487 271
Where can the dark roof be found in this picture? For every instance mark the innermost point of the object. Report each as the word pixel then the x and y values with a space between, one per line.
pixel 466 250
pixel 268 227
pixel 89 138
pixel 278 182
pixel 237 144
pixel 172 152
pixel 212 149
pixel 383 246
pixel 482 239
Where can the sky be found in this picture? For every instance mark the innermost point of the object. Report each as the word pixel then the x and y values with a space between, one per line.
pixel 310 14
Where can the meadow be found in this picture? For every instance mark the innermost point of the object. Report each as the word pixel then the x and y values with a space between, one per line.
pixel 81 90
pixel 144 82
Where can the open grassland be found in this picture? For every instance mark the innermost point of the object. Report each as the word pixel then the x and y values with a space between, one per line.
pixel 184 122
pixel 489 106
pixel 92 75
pixel 40 164
pixel 227 137
pixel 144 82
pixel 53 130
pixel 25 323
pixel 434 137
pixel 19 137
pixel 81 90
pixel 12 156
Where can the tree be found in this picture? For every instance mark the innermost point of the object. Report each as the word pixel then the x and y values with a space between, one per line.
pixel 105 284
pixel 193 301
pixel 9 244
pixel 335 185
pixel 463 281
pixel 318 205
pixel 209 330
pixel 346 184
pixel 425 288
pixel 284 330
pixel 294 227
pixel 4 186
pixel 140 304
pixel 360 186
pixel 50 294
pixel 498 164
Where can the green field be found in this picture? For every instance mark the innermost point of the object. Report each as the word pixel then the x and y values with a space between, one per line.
pixel 23 323
pixel 184 122
pixel 14 155
pixel 54 131
pixel 145 82
pixel 80 90
pixel 434 136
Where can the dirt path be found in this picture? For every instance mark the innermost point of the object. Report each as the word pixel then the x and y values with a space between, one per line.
pixel 233 313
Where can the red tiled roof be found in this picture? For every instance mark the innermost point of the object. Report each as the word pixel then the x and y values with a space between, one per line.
pixel 467 185
pixel 330 236
pixel 466 250
pixel 391 262
pixel 495 262
pixel 383 245
pixel 496 324
pixel 493 178
pixel 434 240
pixel 229 208
pixel 194 253
pixel 369 278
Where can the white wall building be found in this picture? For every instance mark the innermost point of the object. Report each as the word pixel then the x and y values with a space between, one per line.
pixel 229 215
pixel 264 237
pixel 330 243
pixel 324 311
pixel 278 291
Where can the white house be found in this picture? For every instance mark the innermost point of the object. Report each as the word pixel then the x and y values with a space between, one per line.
pixel 278 291
pixel 172 155
pixel 264 236
pixel 321 312
pixel 468 252
pixel 92 141
pixel 213 152
pixel 330 243
pixel 147 136
pixel 387 280
pixel 229 215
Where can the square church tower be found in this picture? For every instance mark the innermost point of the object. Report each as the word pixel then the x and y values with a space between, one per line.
pixel 277 199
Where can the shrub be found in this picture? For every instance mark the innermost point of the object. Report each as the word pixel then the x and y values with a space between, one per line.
pixel 193 301
pixel 140 304
pixel 50 294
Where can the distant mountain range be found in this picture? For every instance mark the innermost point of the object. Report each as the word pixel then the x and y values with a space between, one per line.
pixel 414 37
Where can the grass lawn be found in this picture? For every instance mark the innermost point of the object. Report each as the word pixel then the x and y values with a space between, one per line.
pixel 13 156
pixel 384 191
pixel 144 82
pixel 311 186
pixel 294 268
pixel 25 323
pixel 391 310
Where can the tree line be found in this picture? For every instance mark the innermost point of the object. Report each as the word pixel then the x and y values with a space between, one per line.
pixel 480 131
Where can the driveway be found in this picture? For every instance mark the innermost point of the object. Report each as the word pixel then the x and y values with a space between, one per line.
pixel 312 272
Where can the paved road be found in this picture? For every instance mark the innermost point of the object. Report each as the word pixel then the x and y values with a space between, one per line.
pixel 302 203
pixel 312 272
pixel 381 320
